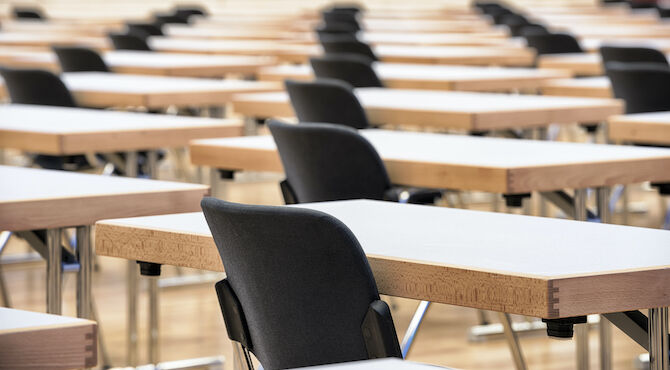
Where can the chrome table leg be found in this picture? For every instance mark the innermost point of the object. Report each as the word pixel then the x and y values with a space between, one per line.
pixel 658 339
pixel 84 254
pixel 54 271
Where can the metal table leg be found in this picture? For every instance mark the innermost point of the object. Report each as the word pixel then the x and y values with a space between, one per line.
pixel 131 164
pixel 581 330
pixel 85 257
pixel 250 126
pixel 54 271
pixel 154 351
pixel 512 340
pixel 658 339
pixel 214 181
pixel 131 329
pixel 152 164
pixel 604 328
pixel 131 282
pixel 413 327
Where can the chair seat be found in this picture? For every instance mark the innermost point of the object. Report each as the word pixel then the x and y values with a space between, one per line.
pixel 412 195
pixel 67 162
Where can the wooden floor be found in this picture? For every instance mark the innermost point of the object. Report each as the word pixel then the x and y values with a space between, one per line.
pixel 191 323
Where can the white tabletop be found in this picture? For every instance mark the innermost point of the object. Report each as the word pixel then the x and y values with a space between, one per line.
pixel 451 109
pixel 125 83
pixel 473 151
pixel 469 163
pixel 59 130
pixel 426 72
pixel 26 184
pixel 36 199
pixel 439 250
pixel 12 320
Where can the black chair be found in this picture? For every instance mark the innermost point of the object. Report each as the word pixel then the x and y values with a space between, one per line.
pixel 188 11
pixel 663 11
pixel 328 101
pixel 530 29
pixel 347 8
pixel 554 43
pixel 79 59
pixel 645 87
pixel 352 68
pixel 299 290
pixel 129 41
pixel 36 86
pixel 343 46
pixel 631 55
pixel 151 29
pixel 338 17
pixel 28 13
pixel 325 34
pixel 40 87
pixel 325 162
pixel 170 19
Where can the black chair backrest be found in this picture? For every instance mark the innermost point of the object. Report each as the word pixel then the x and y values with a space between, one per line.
pixel 151 29
pixel 324 162
pixel 529 29
pixel 645 87
pixel 188 11
pixel 300 285
pixel 631 55
pixel 28 13
pixel 352 68
pixel 348 47
pixel 79 59
pixel 339 17
pixel 170 18
pixel 554 43
pixel 328 101
pixel 129 41
pixel 36 86
pixel 325 34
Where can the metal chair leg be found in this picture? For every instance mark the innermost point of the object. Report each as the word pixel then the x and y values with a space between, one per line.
pixel 413 327
pixel 513 341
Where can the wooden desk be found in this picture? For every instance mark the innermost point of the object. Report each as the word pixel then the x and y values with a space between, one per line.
pixel 444 109
pixel 37 340
pixel 647 128
pixel 46 40
pixel 434 77
pixel 184 65
pixel 467 163
pixel 410 25
pixel 99 89
pixel 282 51
pixel 441 255
pixel 590 87
pixel 66 131
pixel 593 44
pixel 379 364
pixel 41 199
pixel 580 64
pixel 476 55
pixel 623 31
pixel 151 63
pixel 296 53
pixel 491 38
